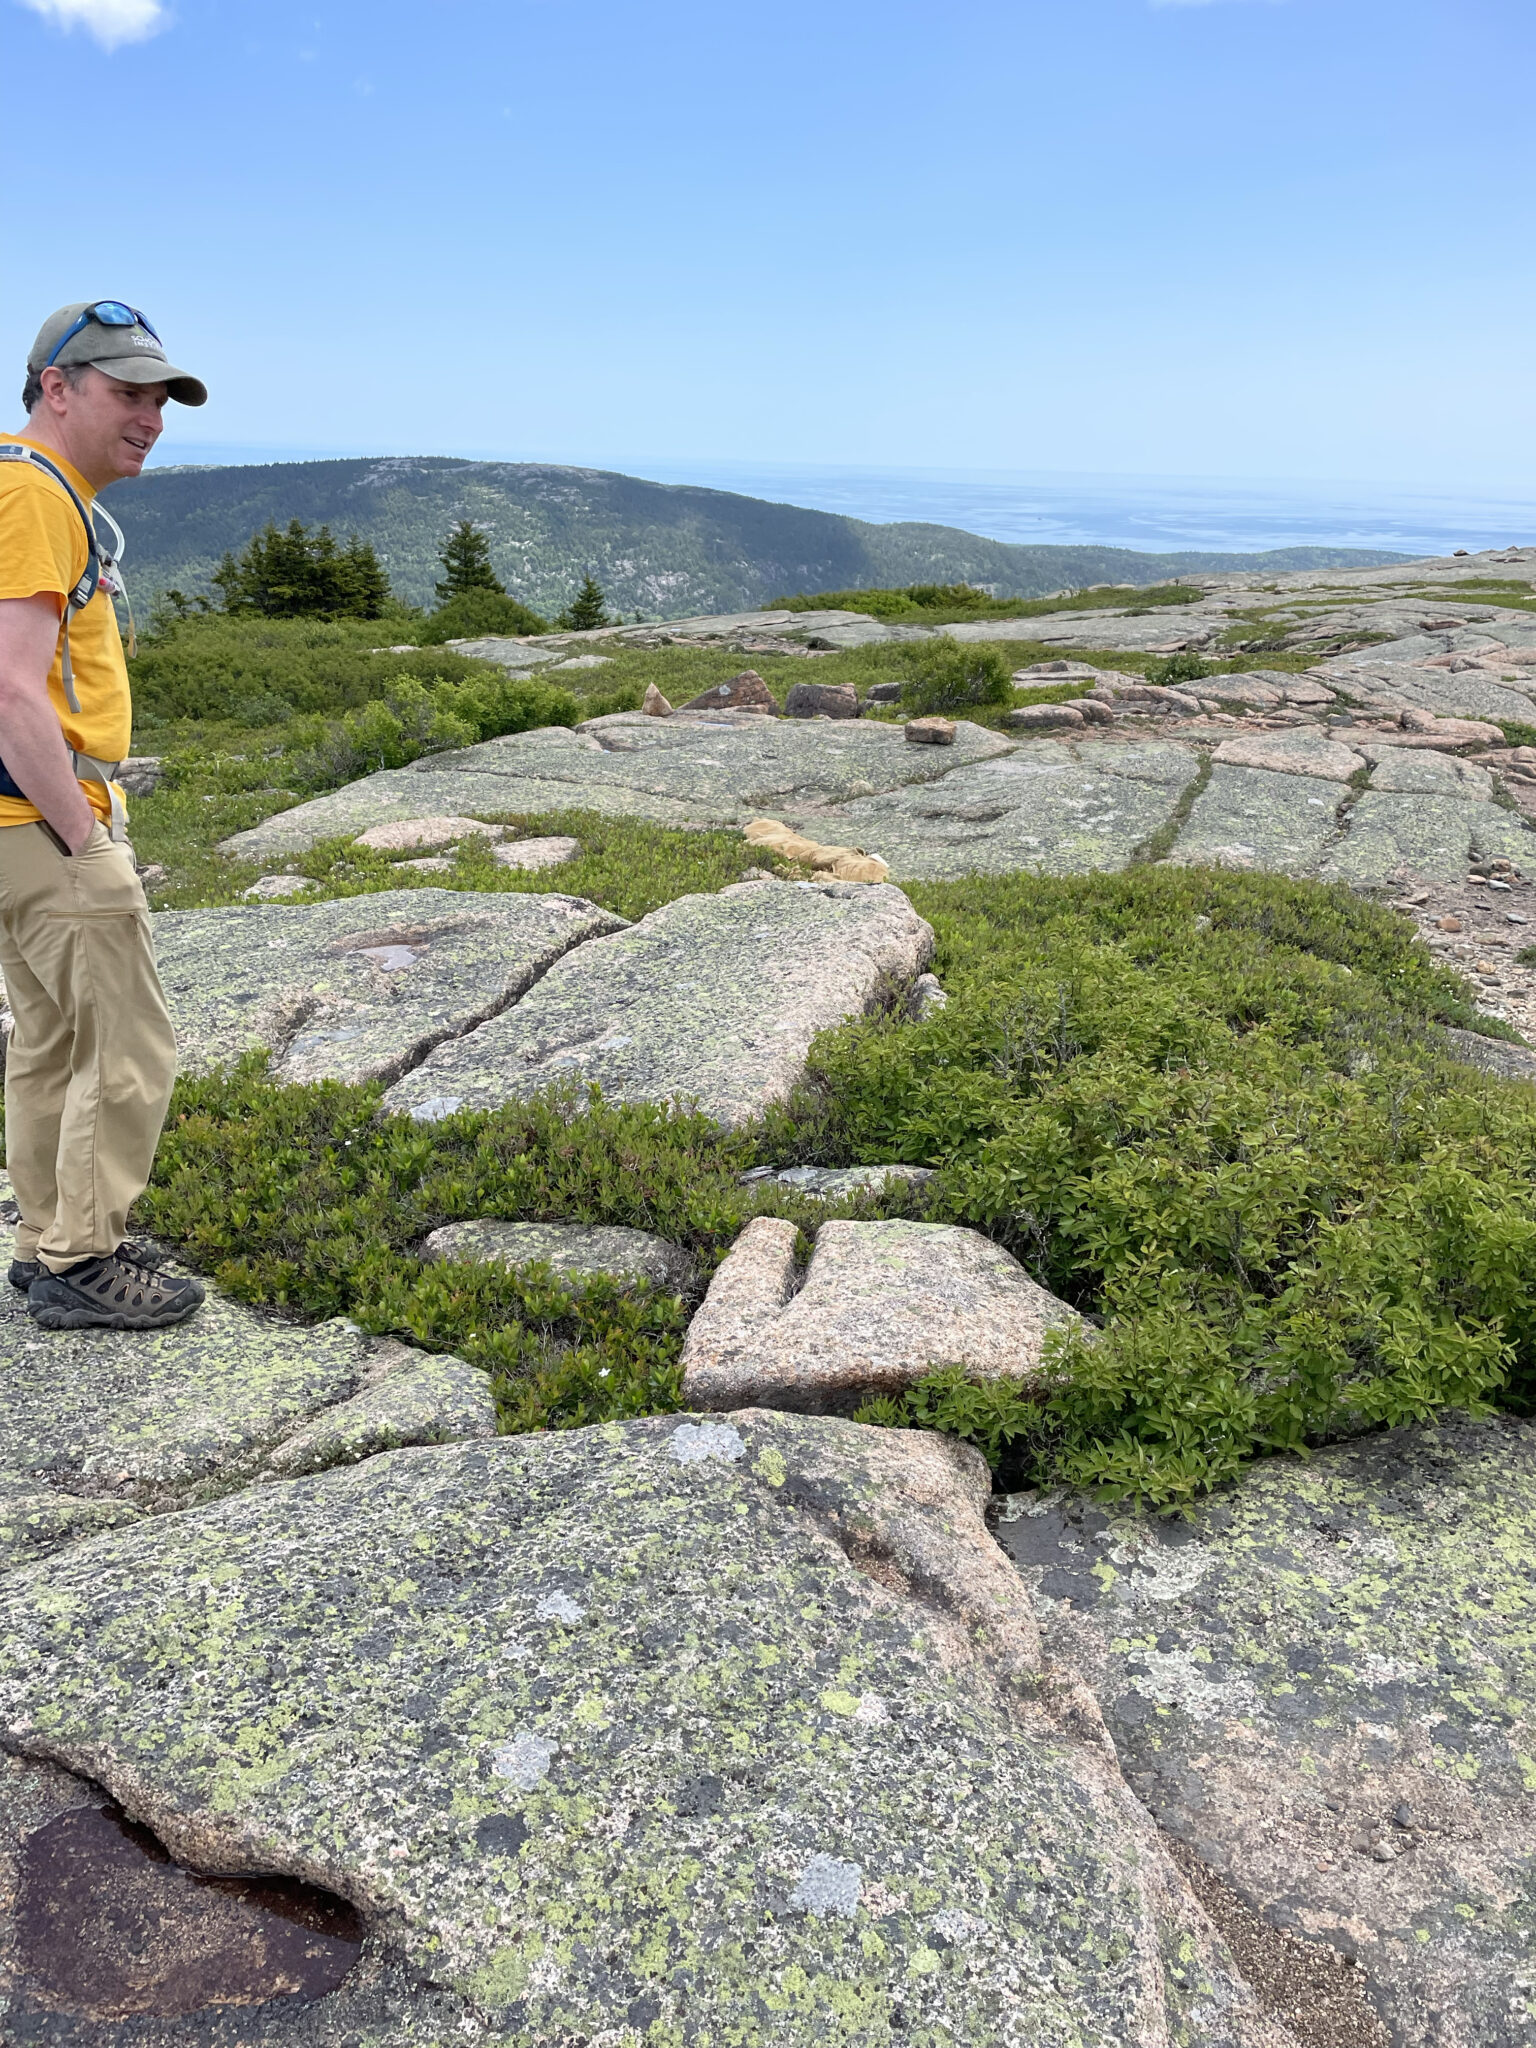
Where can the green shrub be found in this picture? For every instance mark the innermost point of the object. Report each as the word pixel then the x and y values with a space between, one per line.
pixel 479 614
pixel 947 675
pixel 1206 1109
pixel 1179 668
pixel 211 666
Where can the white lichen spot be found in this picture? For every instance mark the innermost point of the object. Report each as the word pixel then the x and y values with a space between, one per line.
pixel 525 1761
pixel 829 1885
pixel 958 1926
pixel 692 1443
pixel 871 1710
pixel 559 1607
pixel 1174 1679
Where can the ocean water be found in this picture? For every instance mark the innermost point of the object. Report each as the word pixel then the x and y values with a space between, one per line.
pixel 1157 514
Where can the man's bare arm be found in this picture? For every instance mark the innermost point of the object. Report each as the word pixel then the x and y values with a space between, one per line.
pixel 31 741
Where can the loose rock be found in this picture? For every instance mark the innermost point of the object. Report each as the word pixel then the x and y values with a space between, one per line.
pixel 653 704
pixel 822 700
pixel 535 853
pixel 578 1251
pixel 931 732
pixel 746 692
pixel 881 1305
pixel 406 834
pixel 273 888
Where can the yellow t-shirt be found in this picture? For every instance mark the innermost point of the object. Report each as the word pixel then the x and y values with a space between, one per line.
pixel 43 549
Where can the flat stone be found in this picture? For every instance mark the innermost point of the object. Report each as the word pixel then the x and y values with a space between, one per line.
pixel 1249 818
pixel 361 988
pixel 1317 1649
pixel 535 853
pixel 837 1183
pixel 578 1251
pixel 582 661
pixel 1303 752
pixel 100 1426
pixel 880 1306
pixel 693 768
pixel 711 999
pixel 1165 630
pixel 406 834
pixel 930 732
pixel 746 692
pixel 1051 807
pixel 273 888
pixel 606 1734
pixel 822 700
pixel 518 656
pixel 1041 717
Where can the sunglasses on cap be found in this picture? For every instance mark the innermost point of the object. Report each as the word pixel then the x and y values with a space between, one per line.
pixel 106 313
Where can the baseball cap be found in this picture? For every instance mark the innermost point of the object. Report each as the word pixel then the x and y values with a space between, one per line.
pixel 132 353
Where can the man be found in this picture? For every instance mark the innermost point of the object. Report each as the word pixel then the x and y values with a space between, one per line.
pixel 92 1055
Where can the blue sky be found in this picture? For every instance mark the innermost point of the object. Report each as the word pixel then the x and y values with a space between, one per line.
pixel 1241 238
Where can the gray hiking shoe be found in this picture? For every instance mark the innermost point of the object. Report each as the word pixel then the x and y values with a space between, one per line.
pixel 120 1291
pixel 23 1272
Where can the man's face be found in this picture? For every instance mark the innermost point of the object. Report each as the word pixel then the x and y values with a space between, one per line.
pixel 110 425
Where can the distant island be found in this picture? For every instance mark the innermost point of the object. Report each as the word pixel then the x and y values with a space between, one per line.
pixel 662 550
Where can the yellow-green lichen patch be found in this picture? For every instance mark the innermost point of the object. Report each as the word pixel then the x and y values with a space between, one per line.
pixel 610 1741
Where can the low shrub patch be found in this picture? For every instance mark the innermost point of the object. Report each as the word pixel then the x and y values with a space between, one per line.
pixel 1209 1110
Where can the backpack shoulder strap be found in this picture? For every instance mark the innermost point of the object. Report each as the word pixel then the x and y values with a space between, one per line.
pixel 77 599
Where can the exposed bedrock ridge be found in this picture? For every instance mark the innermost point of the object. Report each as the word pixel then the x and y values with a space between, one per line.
pixel 712 1000
pixel 724 1725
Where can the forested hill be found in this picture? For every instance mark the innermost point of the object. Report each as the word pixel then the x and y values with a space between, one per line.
pixel 662 549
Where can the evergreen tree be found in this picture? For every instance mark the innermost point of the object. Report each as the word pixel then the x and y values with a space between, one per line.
pixel 466 559
pixel 293 573
pixel 587 609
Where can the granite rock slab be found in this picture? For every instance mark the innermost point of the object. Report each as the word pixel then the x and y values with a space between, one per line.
pixel 684 770
pixel 1051 807
pixel 685 1729
pixel 100 1426
pixel 573 1251
pixel 879 1307
pixel 1325 1684
pixel 712 1000
pixel 362 988
pixel 1252 818
pixel 1396 836
pixel 1492 1055
pixel 1297 752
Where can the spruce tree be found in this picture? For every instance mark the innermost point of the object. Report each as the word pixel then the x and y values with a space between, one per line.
pixel 293 573
pixel 587 609
pixel 466 559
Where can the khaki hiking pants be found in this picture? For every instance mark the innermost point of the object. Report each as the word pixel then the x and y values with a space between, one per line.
pixel 92 1055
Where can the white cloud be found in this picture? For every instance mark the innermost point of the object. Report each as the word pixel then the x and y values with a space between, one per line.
pixel 110 21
